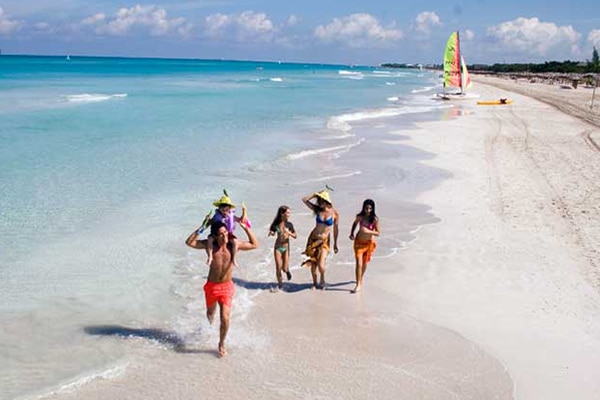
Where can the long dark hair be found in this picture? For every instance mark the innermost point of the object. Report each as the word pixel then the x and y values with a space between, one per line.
pixel 278 217
pixel 372 216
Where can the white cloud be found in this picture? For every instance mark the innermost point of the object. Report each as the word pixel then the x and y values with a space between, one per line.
pixel 45 28
pixel 247 26
pixel 357 30
pixel 149 18
pixel 216 23
pixel 530 36
pixel 7 26
pixel 467 34
pixel 255 22
pixel 594 37
pixel 293 20
pixel 425 21
pixel 94 19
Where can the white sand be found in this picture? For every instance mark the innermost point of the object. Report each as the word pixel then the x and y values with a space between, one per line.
pixel 514 266
pixel 499 300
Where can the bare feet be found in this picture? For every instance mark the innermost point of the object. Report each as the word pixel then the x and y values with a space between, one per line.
pixel 289 275
pixel 357 288
pixel 276 289
pixel 244 215
pixel 222 350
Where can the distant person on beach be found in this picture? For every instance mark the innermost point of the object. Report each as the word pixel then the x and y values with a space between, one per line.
pixel 219 288
pixel 225 213
pixel 284 229
pixel 364 242
pixel 317 244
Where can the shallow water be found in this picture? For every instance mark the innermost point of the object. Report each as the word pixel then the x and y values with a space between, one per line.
pixel 108 164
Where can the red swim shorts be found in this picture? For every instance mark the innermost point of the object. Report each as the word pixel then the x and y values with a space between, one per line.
pixel 221 293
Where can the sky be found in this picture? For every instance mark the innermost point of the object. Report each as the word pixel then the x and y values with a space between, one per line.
pixel 361 32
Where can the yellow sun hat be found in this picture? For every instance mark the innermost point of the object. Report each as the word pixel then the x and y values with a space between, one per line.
pixel 324 195
pixel 224 201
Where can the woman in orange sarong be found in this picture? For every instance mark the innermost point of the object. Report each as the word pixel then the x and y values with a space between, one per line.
pixel 364 242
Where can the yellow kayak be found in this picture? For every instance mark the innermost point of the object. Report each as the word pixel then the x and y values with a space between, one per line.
pixel 498 102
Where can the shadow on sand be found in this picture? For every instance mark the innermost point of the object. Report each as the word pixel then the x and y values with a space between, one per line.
pixel 289 287
pixel 335 286
pixel 176 342
pixel 168 338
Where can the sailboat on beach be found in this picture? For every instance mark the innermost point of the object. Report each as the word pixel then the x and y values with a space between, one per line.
pixel 456 75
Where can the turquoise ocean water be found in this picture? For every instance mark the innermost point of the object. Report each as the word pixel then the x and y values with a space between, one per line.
pixel 107 164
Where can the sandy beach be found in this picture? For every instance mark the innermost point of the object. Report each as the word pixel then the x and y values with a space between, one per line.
pixel 514 264
pixel 498 300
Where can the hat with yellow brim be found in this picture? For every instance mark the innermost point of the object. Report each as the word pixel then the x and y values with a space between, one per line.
pixel 324 195
pixel 224 201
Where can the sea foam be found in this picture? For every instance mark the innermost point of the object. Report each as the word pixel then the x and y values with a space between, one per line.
pixel 335 151
pixel 75 384
pixel 342 122
pixel 93 97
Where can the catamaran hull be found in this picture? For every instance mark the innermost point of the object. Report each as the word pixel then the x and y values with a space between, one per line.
pixel 455 96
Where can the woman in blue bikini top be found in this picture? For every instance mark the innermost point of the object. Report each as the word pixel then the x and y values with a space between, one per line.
pixel 325 215
pixel 328 221
pixel 318 244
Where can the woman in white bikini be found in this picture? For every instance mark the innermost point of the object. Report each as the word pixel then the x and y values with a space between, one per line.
pixel 284 229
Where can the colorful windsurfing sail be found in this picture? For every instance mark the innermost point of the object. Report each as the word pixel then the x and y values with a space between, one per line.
pixel 455 68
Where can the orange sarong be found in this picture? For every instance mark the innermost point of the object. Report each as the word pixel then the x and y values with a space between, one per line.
pixel 364 249
pixel 314 247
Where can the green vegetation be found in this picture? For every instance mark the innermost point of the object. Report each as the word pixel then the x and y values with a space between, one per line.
pixel 549 66
pixel 398 65
pixel 564 67
pixel 595 63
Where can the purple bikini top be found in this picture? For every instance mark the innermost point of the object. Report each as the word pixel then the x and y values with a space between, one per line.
pixel 228 220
